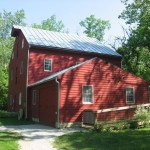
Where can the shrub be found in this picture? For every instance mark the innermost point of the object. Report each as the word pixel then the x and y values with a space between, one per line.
pixel 99 127
pixel 5 114
pixel 141 117
pixel 112 126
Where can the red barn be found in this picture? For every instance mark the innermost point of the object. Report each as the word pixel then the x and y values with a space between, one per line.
pixel 54 77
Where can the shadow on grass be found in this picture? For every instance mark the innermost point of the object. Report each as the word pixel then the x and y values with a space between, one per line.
pixel 8 140
pixel 14 121
pixel 92 140
pixel 9 136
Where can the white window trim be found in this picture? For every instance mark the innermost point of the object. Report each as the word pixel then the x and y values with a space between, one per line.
pixel 20 98
pixel 133 96
pixel 21 67
pixel 34 97
pixel 51 64
pixel 12 55
pixel 22 44
pixel 92 95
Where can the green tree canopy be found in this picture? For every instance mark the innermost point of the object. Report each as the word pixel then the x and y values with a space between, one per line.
pixel 7 20
pixel 51 24
pixel 95 27
pixel 136 49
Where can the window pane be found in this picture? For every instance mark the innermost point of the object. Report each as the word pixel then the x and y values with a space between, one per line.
pixel 47 65
pixel 34 97
pixel 20 98
pixel 22 43
pixel 130 95
pixel 21 67
pixel 87 94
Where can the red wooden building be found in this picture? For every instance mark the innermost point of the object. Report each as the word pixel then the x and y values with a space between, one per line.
pixel 54 77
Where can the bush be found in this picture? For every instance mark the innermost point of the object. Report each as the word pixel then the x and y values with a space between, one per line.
pixel 141 117
pixel 99 127
pixel 5 114
pixel 112 127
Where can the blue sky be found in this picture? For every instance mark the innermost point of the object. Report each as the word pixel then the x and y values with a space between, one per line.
pixel 71 12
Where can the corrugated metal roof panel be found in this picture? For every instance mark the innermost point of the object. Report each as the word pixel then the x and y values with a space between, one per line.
pixel 44 38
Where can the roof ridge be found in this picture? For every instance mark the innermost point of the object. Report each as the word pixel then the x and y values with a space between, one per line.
pixel 68 42
pixel 73 34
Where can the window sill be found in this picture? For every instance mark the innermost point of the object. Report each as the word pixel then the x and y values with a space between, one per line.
pixel 48 70
pixel 130 102
pixel 87 103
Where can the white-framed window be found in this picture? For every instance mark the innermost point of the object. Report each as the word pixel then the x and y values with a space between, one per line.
pixel 87 94
pixel 22 44
pixel 12 75
pixel 12 55
pixel 20 98
pixel 21 67
pixel 47 65
pixel 130 95
pixel 34 97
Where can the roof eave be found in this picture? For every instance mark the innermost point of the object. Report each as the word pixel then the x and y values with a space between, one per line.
pixel 73 50
pixel 35 84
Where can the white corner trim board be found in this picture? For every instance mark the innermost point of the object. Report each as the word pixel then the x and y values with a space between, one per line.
pixel 121 108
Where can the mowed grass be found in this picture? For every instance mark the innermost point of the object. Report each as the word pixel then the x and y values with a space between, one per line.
pixel 138 139
pixel 8 140
pixel 14 121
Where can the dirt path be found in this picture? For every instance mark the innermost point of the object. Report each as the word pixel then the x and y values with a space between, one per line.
pixel 38 137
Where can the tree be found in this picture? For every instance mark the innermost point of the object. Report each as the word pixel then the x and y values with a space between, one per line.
pixel 7 20
pixel 136 49
pixel 95 27
pixel 51 24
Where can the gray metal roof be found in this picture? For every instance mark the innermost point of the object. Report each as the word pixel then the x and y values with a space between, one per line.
pixel 45 38
pixel 53 76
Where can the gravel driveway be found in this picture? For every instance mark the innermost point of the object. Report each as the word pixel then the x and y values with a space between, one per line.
pixel 38 137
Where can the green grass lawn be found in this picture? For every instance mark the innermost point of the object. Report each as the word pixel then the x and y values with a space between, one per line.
pixel 14 121
pixel 138 139
pixel 8 140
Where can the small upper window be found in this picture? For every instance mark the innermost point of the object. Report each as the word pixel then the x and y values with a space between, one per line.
pixel 20 98
pixel 22 43
pixel 130 96
pixel 21 67
pixel 87 94
pixel 12 75
pixel 17 50
pixel 12 55
pixel 47 65
pixel 34 97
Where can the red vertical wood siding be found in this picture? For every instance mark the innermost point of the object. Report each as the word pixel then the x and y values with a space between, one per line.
pixel 20 54
pixel 109 83
pixel 46 103
pixel 60 61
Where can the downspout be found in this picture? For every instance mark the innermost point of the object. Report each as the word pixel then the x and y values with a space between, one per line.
pixel 58 108
pixel 26 115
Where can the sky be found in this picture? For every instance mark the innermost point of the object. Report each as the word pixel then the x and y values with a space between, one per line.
pixel 71 12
